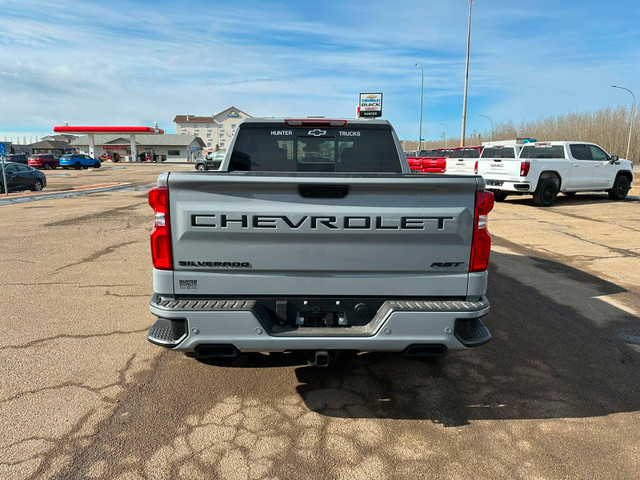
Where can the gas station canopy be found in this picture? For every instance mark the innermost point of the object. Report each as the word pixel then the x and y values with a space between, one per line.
pixel 106 130
pixel 92 130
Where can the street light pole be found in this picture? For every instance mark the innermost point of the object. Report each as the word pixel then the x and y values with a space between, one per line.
pixel 466 81
pixel 421 95
pixel 446 139
pixel 633 108
pixel 491 121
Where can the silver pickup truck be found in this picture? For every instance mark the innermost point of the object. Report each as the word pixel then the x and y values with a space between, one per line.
pixel 315 236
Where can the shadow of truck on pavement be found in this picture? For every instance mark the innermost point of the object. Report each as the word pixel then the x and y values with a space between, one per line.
pixel 545 360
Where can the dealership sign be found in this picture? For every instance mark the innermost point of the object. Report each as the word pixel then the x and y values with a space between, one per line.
pixel 114 147
pixel 370 105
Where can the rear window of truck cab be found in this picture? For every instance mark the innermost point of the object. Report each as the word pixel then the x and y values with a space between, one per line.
pixel 444 153
pixel 498 152
pixel 467 153
pixel 542 151
pixel 283 148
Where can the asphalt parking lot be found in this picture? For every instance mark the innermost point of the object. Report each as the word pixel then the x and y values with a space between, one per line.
pixel 555 394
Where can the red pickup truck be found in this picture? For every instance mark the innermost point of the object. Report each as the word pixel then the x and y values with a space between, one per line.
pixel 430 161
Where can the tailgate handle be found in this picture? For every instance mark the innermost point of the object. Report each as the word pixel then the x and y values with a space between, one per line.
pixel 323 191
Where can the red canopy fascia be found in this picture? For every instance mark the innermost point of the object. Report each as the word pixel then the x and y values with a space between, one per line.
pixel 105 129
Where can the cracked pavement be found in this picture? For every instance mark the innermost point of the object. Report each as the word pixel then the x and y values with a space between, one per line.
pixel 555 394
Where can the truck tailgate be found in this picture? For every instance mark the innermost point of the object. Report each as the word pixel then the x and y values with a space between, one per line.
pixel 499 168
pixel 260 234
pixel 461 166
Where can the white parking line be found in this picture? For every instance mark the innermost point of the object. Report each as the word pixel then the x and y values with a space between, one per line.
pixel 70 193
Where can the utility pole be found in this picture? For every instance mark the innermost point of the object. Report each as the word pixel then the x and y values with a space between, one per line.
pixel 446 138
pixel 491 121
pixel 421 95
pixel 633 108
pixel 466 81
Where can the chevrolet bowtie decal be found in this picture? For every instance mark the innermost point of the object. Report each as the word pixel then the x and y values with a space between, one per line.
pixel 317 132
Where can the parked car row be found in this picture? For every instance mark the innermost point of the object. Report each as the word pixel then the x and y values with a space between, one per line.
pixel 50 161
pixel 540 169
pixel 20 176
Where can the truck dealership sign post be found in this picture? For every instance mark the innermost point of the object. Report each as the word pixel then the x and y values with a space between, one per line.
pixel 370 105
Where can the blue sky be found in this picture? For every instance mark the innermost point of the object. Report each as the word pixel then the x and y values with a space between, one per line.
pixel 133 63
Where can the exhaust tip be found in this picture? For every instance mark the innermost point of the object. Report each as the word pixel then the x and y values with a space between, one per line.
pixel 425 351
pixel 204 352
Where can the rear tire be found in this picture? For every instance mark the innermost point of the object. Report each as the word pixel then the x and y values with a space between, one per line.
pixel 201 167
pixel 77 166
pixel 620 188
pixel 96 165
pixel 47 166
pixel 546 193
pixel 500 196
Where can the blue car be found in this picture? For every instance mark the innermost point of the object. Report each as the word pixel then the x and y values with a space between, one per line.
pixel 78 160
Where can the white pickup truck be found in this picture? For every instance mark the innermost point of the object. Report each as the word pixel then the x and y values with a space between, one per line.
pixel 467 160
pixel 545 168
pixel 464 161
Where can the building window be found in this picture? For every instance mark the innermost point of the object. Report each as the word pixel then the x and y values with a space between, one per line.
pixel 195 125
pixel 208 135
pixel 208 125
pixel 233 126
pixel 173 153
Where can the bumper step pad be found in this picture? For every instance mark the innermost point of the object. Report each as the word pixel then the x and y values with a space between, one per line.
pixel 472 332
pixel 167 333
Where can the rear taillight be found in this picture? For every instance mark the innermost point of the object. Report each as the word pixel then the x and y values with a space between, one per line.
pixel 475 168
pixel 160 234
pixel 524 168
pixel 481 246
